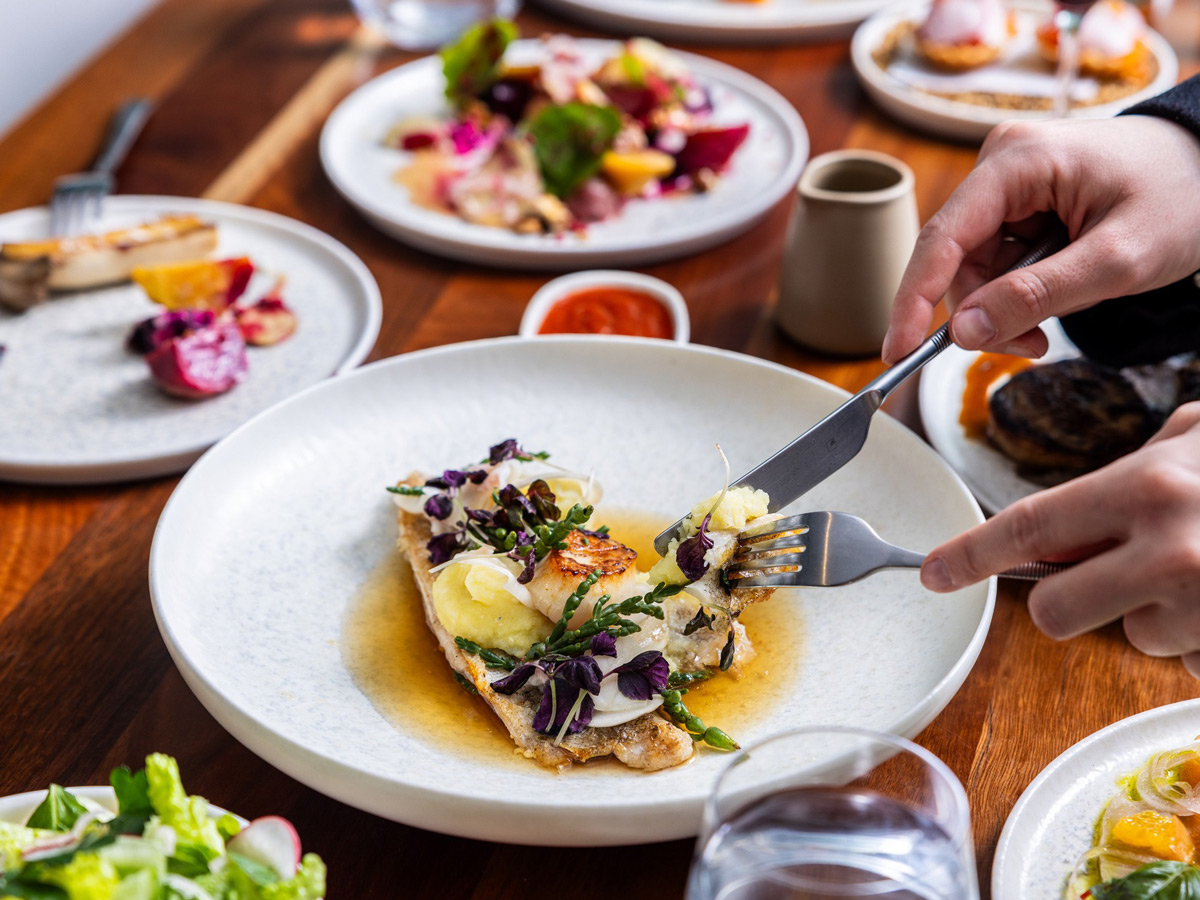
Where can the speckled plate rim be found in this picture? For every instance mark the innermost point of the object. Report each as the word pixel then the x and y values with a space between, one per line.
pixel 165 461
pixel 991 476
pixel 722 21
pixel 1061 805
pixel 968 121
pixel 442 807
pixel 446 235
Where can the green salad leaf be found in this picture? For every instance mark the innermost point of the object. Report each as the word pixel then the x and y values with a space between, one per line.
pixel 197 835
pixel 86 876
pixel 58 812
pixel 133 792
pixel 569 141
pixel 1167 880
pixel 472 64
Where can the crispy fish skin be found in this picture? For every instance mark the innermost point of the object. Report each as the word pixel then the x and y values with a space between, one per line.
pixel 29 271
pixel 648 743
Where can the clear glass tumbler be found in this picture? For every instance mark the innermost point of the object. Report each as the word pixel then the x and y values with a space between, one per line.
pixel 835 812
pixel 428 24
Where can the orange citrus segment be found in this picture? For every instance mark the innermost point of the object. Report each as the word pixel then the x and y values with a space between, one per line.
pixel 1160 834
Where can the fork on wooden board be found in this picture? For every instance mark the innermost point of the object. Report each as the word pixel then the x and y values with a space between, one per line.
pixel 825 549
pixel 78 199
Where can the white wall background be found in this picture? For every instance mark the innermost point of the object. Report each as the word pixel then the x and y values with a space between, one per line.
pixel 42 42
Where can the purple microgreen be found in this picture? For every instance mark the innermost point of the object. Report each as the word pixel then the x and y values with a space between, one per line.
pixel 451 478
pixel 477 476
pixel 511 498
pixel 702 619
pixel 727 651
pixel 443 547
pixel 510 684
pixel 604 644
pixel 543 501
pixel 578 717
pixel 508 449
pixel 582 672
pixel 439 507
pixel 689 555
pixel 643 676
pixel 547 709
pixel 523 553
pixel 479 515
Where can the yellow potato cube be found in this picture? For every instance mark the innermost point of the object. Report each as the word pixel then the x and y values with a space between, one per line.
pixel 630 172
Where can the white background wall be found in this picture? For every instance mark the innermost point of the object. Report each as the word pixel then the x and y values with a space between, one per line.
pixel 42 42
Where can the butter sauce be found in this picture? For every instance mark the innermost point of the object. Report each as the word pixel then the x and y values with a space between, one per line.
pixel 397 663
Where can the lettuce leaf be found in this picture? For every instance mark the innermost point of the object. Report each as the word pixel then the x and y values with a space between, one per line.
pixel 1166 880
pixel 15 838
pixel 246 879
pixel 569 141
pixel 199 839
pixel 472 64
pixel 58 812
pixel 87 876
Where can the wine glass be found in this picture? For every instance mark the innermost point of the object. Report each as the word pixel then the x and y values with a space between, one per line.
pixel 1066 22
pixel 834 812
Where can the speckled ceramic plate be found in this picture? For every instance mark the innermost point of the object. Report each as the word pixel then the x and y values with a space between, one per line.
pixel 991 476
pixel 271 537
pixel 722 21
pixel 79 408
pixel 1052 823
pixel 762 172
pixel 1020 71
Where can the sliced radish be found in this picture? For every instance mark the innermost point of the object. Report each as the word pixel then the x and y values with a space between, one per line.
pixel 270 841
pixel 51 846
pixel 202 364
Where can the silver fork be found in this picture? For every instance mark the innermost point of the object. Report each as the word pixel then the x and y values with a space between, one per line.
pixel 824 549
pixel 78 199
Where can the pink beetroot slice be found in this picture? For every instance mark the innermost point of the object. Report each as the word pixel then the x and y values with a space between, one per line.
pixel 202 364
pixel 710 148
pixel 266 322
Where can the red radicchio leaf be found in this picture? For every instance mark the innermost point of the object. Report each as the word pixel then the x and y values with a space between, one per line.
pixel 643 676
pixel 690 554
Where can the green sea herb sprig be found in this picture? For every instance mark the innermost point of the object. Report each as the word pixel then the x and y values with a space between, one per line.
pixel 711 735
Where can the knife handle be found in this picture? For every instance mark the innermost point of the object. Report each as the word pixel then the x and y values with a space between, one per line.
pixel 940 339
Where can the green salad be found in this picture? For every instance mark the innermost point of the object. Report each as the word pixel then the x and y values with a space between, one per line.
pixel 161 844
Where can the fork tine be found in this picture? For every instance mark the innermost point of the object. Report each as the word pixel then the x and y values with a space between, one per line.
pixel 767 561
pixel 788 578
pixel 797 524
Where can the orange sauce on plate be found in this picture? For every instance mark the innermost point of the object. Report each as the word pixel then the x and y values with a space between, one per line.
pixel 396 662
pixel 609 310
pixel 983 373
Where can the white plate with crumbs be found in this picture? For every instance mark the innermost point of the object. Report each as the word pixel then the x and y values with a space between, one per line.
pixel 1053 822
pixel 722 21
pixel 763 171
pixel 275 583
pixel 918 95
pixel 79 408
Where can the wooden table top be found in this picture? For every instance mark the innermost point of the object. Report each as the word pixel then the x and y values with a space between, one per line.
pixel 243 87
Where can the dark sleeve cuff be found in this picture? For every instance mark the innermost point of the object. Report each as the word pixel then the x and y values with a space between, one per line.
pixel 1180 104
pixel 1149 327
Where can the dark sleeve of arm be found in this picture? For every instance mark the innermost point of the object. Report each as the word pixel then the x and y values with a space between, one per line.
pixel 1151 326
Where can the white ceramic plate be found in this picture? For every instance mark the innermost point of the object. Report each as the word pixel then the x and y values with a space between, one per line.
pixel 991 476
pixel 763 171
pixel 969 121
pixel 271 535
pixel 722 21
pixel 16 808
pixel 1053 821
pixel 79 408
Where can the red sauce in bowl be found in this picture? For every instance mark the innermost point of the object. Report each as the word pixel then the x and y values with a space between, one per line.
pixel 609 310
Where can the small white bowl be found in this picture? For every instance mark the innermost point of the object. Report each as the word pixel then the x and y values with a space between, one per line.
pixel 553 291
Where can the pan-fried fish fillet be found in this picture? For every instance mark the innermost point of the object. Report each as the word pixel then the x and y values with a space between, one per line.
pixel 649 742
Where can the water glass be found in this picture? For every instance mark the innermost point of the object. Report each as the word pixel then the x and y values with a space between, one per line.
pixel 428 24
pixel 833 812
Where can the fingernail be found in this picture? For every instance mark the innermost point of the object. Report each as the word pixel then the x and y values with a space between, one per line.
pixel 972 328
pixel 935 575
pixel 885 353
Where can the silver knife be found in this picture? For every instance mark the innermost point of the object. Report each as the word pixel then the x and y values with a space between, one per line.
pixel 836 439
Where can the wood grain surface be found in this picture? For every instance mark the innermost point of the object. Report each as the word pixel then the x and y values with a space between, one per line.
pixel 242 88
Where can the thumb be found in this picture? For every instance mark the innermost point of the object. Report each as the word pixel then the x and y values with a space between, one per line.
pixel 1085 272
